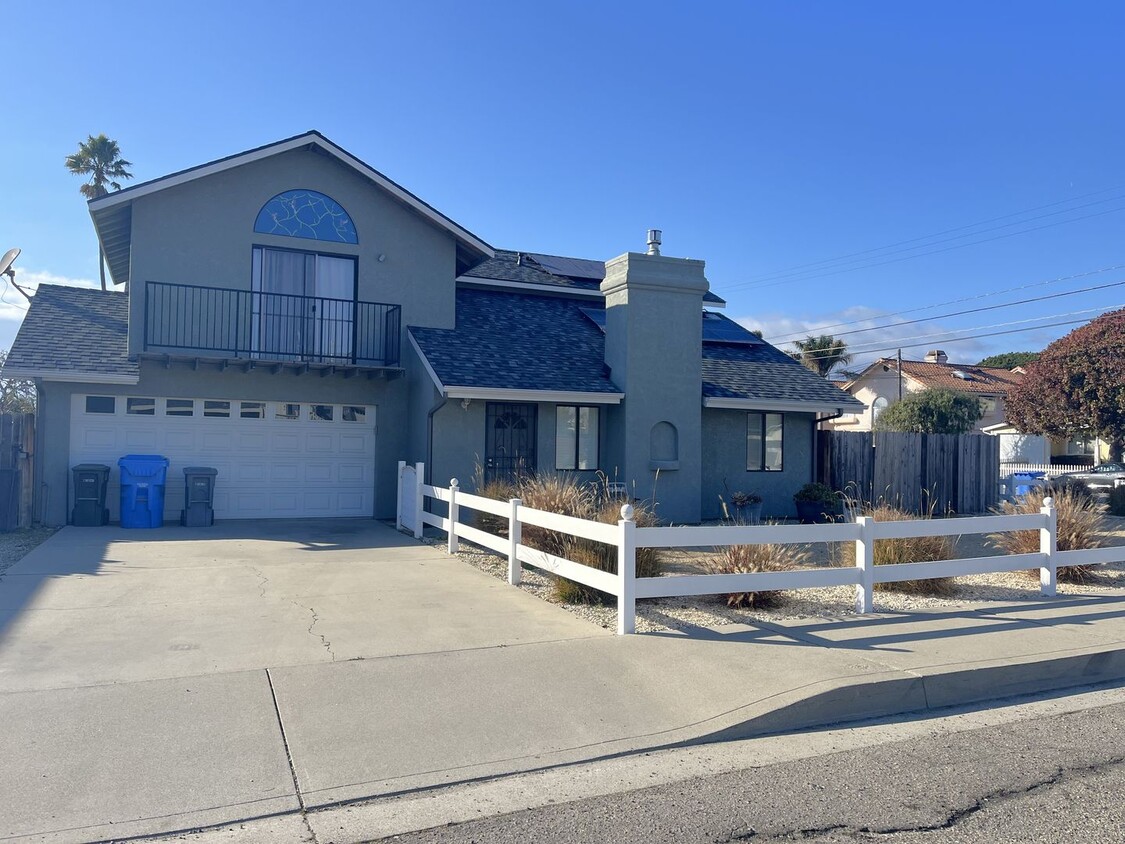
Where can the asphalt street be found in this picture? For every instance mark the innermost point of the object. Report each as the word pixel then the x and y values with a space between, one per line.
pixel 1052 778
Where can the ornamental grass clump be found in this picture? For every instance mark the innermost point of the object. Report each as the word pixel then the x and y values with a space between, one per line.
pixel 752 559
pixel 1079 526
pixel 912 549
pixel 501 489
pixel 598 555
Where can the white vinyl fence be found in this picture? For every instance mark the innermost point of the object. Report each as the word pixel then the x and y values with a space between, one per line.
pixel 627 538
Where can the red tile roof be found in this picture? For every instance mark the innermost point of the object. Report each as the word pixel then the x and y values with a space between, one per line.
pixel 979 379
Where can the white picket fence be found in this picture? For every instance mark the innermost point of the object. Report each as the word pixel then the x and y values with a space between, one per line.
pixel 628 537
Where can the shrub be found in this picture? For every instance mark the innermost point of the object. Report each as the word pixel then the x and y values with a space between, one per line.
pixel 598 555
pixel 816 493
pixel 913 549
pixel 500 489
pixel 1117 501
pixel 751 559
pixel 1079 522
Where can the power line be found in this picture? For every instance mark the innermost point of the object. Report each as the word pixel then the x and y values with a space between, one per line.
pixel 982 309
pixel 940 336
pixel 924 254
pixel 978 336
pixel 775 273
pixel 808 332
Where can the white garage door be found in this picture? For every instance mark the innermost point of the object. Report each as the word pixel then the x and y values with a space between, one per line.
pixel 275 459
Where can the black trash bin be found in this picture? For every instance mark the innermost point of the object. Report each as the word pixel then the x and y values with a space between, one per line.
pixel 199 496
pixel 90 482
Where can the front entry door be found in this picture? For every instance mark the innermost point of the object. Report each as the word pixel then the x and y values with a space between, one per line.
pixel 509 440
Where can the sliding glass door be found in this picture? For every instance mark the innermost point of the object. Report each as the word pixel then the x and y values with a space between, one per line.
pixel 303 305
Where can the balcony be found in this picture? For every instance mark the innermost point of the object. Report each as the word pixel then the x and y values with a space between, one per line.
pixel 217 322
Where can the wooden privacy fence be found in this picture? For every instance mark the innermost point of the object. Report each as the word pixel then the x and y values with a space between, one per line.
pixel 17 454
pixel 958 473
pixel 627 538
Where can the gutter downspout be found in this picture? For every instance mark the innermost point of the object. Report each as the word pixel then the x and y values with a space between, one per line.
pixel 430 438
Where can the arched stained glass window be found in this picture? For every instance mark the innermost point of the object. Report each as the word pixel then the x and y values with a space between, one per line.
pixel 308 214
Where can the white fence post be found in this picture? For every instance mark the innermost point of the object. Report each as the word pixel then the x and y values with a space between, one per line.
pixel 419 499
pixel 400 503
pixel 1048 545
pixel 453 516
pixel 865 562
pixel 515 536
pixel 627 573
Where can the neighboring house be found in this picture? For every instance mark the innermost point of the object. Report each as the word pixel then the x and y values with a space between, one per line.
pixel 882 383
pixel 301 323
pixel 1017 447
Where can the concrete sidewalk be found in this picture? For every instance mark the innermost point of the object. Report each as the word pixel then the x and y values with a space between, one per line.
pixel 125 758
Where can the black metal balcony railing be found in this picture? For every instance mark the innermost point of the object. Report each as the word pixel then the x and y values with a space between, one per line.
pixel 270 326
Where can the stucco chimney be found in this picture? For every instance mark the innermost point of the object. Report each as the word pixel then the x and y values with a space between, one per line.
pixel 936 356
pixel 653 347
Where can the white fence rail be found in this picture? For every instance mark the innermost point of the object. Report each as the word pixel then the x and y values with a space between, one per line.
pixel 627 538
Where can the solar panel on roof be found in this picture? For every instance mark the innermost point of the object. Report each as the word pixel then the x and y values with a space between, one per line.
pixel 718 329
pixel 572 267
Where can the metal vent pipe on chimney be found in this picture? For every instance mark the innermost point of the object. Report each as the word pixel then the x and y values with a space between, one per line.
pixel 653 238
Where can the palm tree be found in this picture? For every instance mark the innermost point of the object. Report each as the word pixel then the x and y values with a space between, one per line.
pixel 100 159
pixel 820 354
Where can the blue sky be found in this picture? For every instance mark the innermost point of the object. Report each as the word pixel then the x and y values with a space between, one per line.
pixel 759 137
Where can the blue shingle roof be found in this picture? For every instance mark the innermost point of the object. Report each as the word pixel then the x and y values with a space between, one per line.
pixel 74 330
pixel 517 341
pixel 764 373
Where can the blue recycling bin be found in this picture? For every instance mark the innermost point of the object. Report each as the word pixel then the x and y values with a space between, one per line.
pixel 142 490
pixel 1024 482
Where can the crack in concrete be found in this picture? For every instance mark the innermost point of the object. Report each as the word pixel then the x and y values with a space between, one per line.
pixel 323 640
pixel 262 581
pixel 952 819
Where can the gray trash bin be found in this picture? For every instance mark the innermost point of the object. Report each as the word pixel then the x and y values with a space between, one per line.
pixel 90 482
pixel 199 496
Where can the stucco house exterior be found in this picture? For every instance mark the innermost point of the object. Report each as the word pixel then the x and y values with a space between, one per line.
pixel 300 322
pixel 882 383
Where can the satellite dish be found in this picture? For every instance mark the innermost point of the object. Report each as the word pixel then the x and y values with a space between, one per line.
pixel 7 261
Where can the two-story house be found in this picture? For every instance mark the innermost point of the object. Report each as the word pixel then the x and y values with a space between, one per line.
pixel 300 322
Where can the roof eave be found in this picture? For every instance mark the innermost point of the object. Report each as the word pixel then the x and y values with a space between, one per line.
pixel 782 406
pixel 471 249
pixel 70 376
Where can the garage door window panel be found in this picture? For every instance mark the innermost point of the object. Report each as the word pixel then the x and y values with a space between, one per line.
pixel 216 409
pixel 180 407
pixel 140 407
pixel 101 404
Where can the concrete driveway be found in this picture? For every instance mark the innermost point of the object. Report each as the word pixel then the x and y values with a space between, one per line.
pixel 106 605
pixel 136 692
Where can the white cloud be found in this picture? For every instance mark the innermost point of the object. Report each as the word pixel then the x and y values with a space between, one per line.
pixel 867 346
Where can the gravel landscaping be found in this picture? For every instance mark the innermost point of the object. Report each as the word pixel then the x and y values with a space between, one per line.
pixel 17 543
pixel 661 614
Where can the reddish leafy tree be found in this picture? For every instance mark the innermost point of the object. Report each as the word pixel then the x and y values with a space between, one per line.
pixel 1077 387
